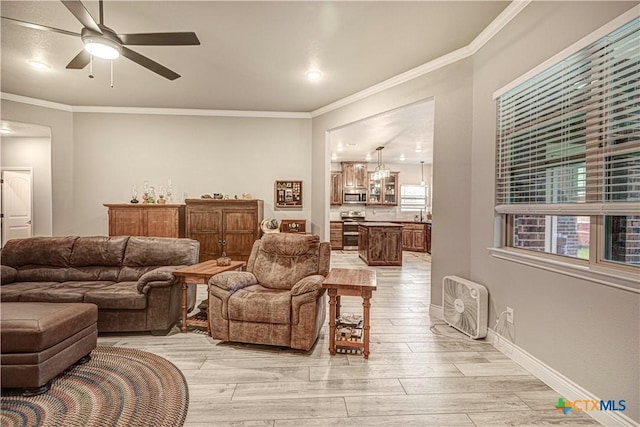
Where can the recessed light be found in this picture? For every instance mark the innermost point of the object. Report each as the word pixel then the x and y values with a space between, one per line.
pixel 314 75
pixel 5 131
pixel 39 65
pixel 368 157
pixel 418 149
pixel 402 157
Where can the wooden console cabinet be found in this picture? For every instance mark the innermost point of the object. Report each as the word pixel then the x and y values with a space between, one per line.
pixel 127 219
pixel 380 243
pixel 237 222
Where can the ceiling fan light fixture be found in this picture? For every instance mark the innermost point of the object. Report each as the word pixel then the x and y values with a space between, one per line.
pixel 102 48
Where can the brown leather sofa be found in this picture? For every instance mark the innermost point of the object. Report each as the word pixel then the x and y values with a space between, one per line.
pixel 129 278
pixel 279 299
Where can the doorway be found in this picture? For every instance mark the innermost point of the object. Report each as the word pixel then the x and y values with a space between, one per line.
pixel 26 200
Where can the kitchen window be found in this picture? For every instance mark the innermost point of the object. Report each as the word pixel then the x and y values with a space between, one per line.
pixel 414 198
pixel 568 156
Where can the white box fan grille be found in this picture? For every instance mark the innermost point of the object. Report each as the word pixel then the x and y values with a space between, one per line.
pixel 465 306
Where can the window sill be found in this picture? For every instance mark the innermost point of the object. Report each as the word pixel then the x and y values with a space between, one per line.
pixel 604 276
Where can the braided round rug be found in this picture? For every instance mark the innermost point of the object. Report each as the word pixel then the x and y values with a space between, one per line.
pixel 117 387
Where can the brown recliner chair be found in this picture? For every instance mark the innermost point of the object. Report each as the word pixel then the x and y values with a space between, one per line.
pixel 279 299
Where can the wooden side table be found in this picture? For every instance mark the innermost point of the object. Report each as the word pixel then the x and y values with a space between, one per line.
pixel 199 274
pixel 349 282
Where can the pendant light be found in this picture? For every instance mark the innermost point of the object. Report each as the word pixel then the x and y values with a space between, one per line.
pixel 381 171
pixel 422 172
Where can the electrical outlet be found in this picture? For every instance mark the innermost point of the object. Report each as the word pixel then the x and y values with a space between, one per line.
pixel 509 314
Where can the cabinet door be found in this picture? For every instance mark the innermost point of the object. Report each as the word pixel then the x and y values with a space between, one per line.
pixel 389 190
pixel 162 223
pixel 336 188
pixel 361 176
pixel 126 222
pixel 407 238
pixel 205 226
pixel 239 231
pixel 428 238
pixel 374 190
pixel 335 235
pixel 392 249
pixel 348 176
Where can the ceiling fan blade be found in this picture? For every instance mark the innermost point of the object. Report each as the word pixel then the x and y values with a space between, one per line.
pixel 149 64
pixel 160 39
pixel 82 14
pixel 38 26
pixel 80 61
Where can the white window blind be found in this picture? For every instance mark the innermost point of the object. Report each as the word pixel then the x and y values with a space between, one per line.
pixel 413 197
pixel 569 138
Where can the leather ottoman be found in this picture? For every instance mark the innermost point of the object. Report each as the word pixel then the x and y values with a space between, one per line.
pixel 41 340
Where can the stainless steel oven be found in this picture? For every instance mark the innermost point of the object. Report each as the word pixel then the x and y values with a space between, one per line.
pixel 350 221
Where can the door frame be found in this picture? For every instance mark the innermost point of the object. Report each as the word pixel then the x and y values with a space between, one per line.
pixel 15 168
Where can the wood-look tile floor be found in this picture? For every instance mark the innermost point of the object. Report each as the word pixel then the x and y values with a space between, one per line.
pixel 420 372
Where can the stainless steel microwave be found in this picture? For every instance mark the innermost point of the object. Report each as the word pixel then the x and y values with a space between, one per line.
pixel 355 197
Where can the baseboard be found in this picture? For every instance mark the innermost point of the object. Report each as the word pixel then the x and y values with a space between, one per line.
pixel 554 379
pixel 563 385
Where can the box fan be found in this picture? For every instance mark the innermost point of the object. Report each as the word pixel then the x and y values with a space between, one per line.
pixel 465 306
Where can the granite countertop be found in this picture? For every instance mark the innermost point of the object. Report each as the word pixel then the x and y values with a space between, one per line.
pixel 379 224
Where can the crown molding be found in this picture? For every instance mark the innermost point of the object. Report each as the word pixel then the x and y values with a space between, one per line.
pixel 153 111
pixel 192 112
pixel 511 11
pixel 35 101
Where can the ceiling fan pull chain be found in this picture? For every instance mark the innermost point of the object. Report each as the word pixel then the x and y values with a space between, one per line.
pixel 111 74
pixel 91 66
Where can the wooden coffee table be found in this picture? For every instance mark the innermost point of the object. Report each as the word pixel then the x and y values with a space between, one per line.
pixel 199 274
pixel 349 282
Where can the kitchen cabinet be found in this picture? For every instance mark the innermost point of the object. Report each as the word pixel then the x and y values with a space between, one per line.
pixel 336 188
pixel 383 192
pixel 154 220
pixel 380 243
pixel 335 234
pixel 414 236
pixel 354 176
pixel 237 222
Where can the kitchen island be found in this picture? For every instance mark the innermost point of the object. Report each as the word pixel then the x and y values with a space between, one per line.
pixel 380 243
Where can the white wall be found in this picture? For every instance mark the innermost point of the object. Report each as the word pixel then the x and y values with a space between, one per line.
pixel 34 153
pixel 201 155
pixel 588 332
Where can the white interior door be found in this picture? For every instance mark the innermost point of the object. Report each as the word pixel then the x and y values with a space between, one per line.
pixel 17 202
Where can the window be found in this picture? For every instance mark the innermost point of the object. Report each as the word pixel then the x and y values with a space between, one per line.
pixel 414 198
pixel 568 155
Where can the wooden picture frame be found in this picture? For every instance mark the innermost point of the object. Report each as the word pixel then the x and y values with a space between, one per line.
pixel 288 194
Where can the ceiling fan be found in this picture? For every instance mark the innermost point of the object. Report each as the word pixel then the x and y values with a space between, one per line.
pixel 103 42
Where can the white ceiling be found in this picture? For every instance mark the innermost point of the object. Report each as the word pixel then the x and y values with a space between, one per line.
pixel 406 134
pixel 253 57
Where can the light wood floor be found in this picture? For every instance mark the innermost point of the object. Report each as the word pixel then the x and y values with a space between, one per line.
pixel 420 372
